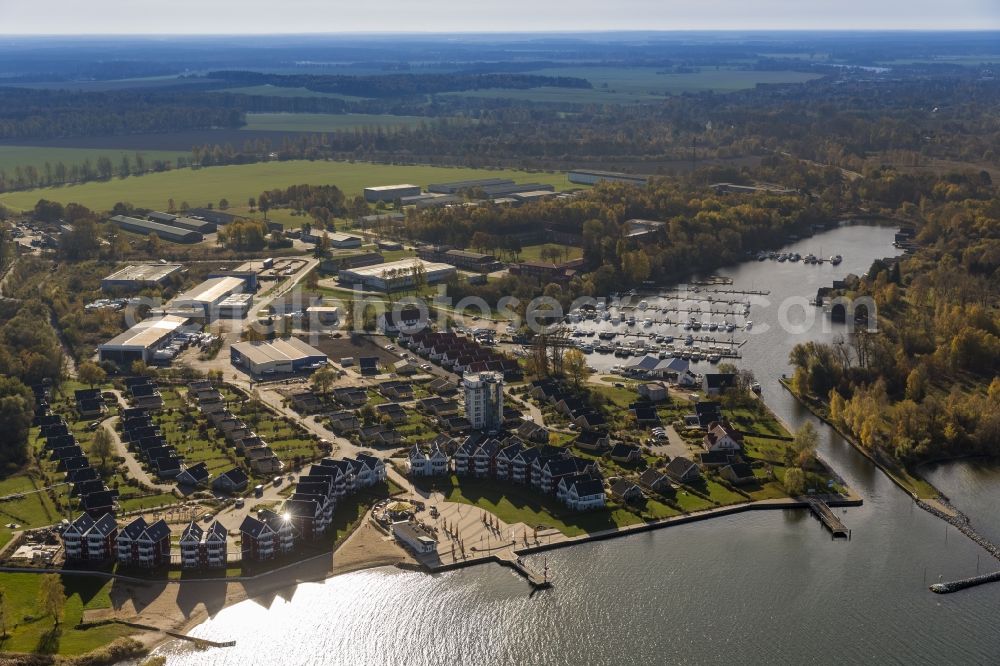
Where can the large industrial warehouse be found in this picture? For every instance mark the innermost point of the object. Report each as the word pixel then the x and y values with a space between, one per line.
pixel 395 274
pixel 138 276
pixel 389 193
pixel 141 341
pixel 163 231
pixel 204 299
pixel 276 357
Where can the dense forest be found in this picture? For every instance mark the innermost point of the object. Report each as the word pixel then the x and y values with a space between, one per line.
pixel 926 384
pixel 399 85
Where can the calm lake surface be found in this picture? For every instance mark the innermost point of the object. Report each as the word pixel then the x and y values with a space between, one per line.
pixel 768 587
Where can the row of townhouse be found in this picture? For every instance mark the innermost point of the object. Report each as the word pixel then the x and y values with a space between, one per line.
pixel 142 436
pixel 258 454
pixel 143 393
pixel 308 512
pixel 550 470
pixel 142 544
pixel 86 485
pixel 459 354
pixel 566 403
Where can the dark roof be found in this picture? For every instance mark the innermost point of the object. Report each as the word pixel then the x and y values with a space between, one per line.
pixel 83 522
pixel 300 506
pixel 134 529
pixel 158 531
pixel 252 526
pixel 236 476
pixel 217 530
pixel 623 450
pixel 589 487
pixel 719 380
pixel 680 466
pixel 621 486
pixel 193 529
pixel 713 457
pixel 741 470
pixel 82 475
pixel 167 463
pixel 101 498
pixel 198 472
pixel 651 477
pixel 106 524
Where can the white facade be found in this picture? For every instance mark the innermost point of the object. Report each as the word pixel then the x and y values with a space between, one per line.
pixel 484 400
pixel 415 536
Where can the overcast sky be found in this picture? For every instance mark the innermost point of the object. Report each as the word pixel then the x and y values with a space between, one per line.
pixel 333 16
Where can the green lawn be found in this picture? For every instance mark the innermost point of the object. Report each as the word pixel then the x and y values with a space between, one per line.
pixel 328 122
pixel 239 182
pixel 28 632
pixel 514 504
pixel 534 252
pixel 37 156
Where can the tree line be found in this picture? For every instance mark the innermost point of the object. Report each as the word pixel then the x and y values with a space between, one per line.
pixel 926 384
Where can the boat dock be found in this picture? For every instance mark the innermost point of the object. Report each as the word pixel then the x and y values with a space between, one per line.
pixel 539 581
pixel 828 518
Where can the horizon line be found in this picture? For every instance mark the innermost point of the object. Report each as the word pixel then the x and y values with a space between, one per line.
pixel 580 31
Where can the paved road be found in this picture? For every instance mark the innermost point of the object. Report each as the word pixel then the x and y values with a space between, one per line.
pixel 135 470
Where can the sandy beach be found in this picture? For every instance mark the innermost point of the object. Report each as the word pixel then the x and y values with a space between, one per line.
pixel 179 606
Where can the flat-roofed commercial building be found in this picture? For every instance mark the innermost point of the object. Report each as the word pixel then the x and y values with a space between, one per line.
pixel 208 295
pixel 389 193
pixel 163 231
pixel 138 276
pixel 276 357
pixel 140 342
pixel 395 274
pixel 344 241
pixel 592 177
pixel 235 306
pixel 190 223
pixel 457 186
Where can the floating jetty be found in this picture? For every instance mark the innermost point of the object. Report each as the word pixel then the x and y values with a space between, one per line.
pixel 956 585
pixel 828 518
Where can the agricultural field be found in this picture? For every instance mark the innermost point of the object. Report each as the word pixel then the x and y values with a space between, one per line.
pixel 279 91
pixel 12 157
pixel 240 182
pixel 623 85
pixel 328 122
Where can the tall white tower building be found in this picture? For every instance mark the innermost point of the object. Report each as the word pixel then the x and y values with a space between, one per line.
pixel 484 399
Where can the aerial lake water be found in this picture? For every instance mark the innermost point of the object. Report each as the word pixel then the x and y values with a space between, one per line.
pixel 759 587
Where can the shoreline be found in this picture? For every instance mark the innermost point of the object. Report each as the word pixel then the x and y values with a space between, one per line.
pixel 939 506
pixel 718 512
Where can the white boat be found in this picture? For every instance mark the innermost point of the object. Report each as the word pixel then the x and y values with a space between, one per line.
pixel 836 259
pixel 730 327
pixel 747 326
pixel 714 358
pixel 643 305
pixel 647 322
pixel 630 321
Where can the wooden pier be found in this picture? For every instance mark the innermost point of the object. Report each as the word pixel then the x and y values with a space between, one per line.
pixel 828 518
pixel 539 581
